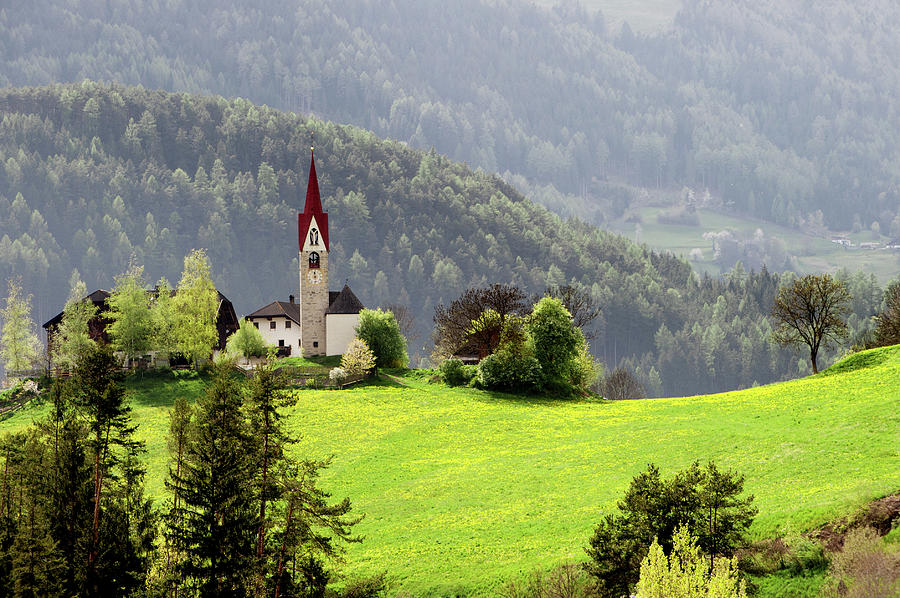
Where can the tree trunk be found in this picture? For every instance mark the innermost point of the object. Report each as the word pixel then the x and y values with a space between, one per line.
pixel 261 542
pixel 287 530
pixel 813 353
pixel 98 484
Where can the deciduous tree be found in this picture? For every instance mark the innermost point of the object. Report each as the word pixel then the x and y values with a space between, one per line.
pixel 130 325
pixel 163 321
pixel 684 574
pixel 196 304
pixel 555 339
pixel 72 337
pixel 382 335
pixel 706 502
pixel 580 304
pixel 358 359
pixel 247 342
pixel 811 311
pixel 19 345
pixel 454 323
pixel 887 328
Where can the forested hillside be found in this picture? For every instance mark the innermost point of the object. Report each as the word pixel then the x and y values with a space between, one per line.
pixel 780 111
pixel 94 174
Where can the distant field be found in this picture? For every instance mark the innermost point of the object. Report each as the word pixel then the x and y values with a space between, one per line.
pixel 645 16
pixel 463 489
pixel 814 254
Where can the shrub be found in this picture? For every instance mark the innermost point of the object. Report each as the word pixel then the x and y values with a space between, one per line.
pixel 511 370
pixel 455 373
pixel 687 573
pixel 707 502
pixel 337 375
pixel 358 359
pixel 621 384
pixel 380 331
pixel 865 567
pixel 583 370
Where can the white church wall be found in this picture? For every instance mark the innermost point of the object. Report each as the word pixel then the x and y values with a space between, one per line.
pixel 271 336
pixel 340 329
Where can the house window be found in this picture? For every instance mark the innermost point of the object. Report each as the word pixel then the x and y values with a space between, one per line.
pixel 271 325
pixel 281 342
pixel 315 343
pixel 256 324
pixel 287 324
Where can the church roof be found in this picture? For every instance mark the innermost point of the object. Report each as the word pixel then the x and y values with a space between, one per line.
pixel 283 309
pixel 313 201
pixel 345 303
pixel 313 207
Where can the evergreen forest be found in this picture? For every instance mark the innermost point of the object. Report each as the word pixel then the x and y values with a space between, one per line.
pixel 776 110
pixel 96 175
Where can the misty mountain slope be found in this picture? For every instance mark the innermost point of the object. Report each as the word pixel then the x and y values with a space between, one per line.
pixel 93 174
pixel 777 109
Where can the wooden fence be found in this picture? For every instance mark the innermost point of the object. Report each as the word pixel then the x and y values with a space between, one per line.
pixel 309 376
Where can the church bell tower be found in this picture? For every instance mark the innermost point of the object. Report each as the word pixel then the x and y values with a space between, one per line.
pixel 313 230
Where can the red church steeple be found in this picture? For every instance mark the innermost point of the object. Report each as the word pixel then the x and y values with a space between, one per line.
pixel 313 208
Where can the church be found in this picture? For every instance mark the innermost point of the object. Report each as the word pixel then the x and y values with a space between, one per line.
pixel 317 321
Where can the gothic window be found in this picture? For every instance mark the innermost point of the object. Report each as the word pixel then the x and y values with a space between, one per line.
pixel 314 236
pixel 314 259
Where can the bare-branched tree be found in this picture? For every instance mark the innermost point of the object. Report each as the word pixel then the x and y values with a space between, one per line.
pixel 476 319
pixel 811 312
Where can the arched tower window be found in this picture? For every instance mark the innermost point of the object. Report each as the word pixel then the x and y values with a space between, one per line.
pixel 314 259
pixel 314 236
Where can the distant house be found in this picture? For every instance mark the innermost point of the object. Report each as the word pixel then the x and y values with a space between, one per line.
pixel 226 320
pixel 842 241
pixel 893 244
pixel 870 245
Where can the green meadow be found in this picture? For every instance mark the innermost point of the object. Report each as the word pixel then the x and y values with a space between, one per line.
pixel 814 254
pixel 463 489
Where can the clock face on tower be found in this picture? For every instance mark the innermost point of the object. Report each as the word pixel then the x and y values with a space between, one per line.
pixel 314 277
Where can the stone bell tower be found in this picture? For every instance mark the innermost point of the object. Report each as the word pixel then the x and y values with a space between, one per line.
pixel 313 229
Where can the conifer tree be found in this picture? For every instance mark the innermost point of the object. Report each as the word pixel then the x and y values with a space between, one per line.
pixel 266 399
pixel 180 429
pixel 216 519
pixel 101 400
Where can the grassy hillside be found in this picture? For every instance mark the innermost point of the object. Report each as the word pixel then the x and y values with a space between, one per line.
pixel 463 488
pixel 812 253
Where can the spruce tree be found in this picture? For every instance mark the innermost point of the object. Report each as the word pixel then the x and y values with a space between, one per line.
pixel 101 402
pixel 216 519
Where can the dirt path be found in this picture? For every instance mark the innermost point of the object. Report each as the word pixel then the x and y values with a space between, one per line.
pixel 394 379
